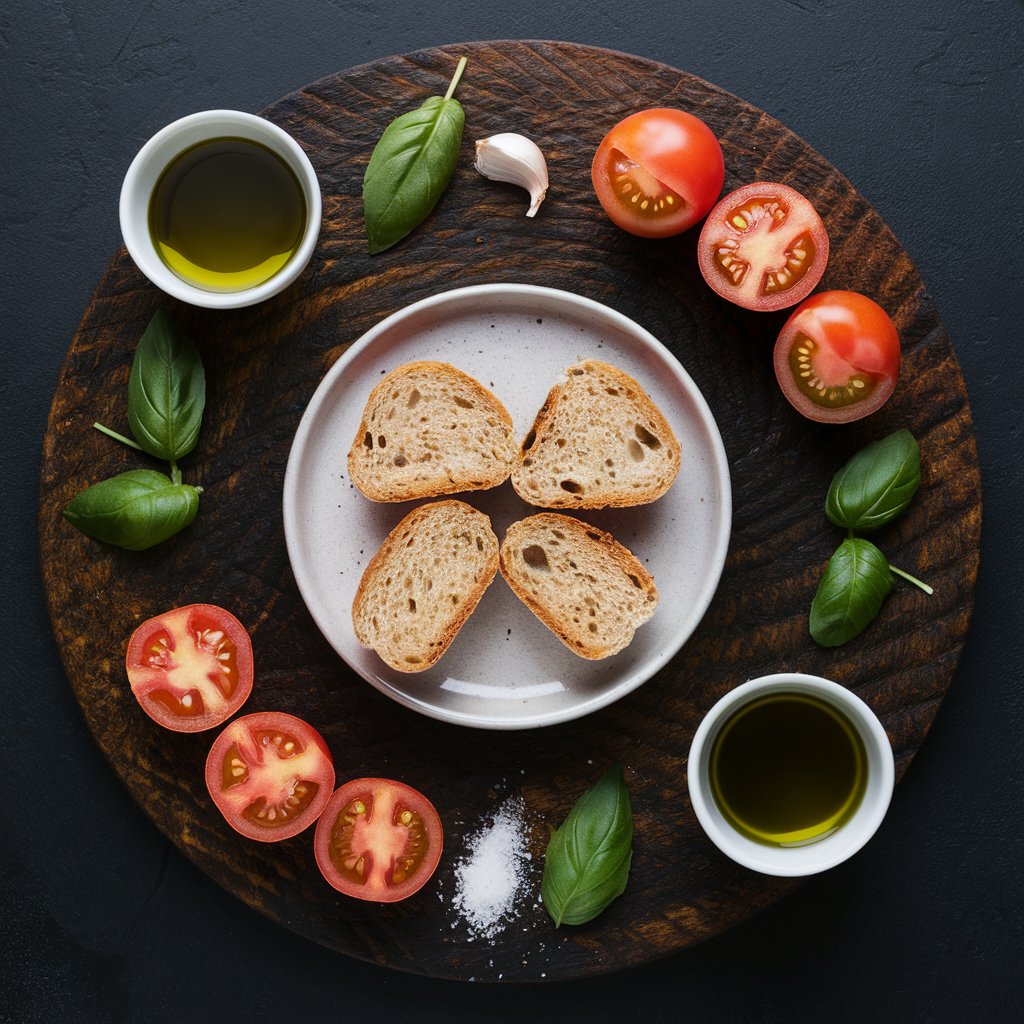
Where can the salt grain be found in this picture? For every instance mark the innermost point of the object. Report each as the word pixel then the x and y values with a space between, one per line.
pixel 491 877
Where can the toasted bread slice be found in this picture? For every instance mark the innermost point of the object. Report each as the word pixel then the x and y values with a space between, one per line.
pixel 430 429
pixel 588 589
pixel 424 582
pixel 598 442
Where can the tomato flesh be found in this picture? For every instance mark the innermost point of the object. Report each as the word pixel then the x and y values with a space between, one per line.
pixel 825 377
pixel 378 840
pixel 837 358
pixel 190 668
pixel 270 775
pixel 640 192
pixel 658 172
pixel 763 247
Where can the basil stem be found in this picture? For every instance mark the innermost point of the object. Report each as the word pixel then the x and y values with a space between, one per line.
pixel 586 865
pixel 855 583
pixel 166 390
pixel 134 510
pixel 876 485
pixel 911 579
pixel 118 437
pixel 411 166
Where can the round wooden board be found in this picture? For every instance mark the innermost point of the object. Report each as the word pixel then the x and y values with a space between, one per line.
pixel 263 365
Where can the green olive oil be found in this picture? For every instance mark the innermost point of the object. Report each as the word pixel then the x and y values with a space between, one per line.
pixel 788 769
pixel 227 214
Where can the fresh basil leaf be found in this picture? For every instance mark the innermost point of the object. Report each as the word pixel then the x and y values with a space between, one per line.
pixel 166 390
pixel 876 485
pixel 409 169
pixel 134 510
pixel 586 865
pixel 855 583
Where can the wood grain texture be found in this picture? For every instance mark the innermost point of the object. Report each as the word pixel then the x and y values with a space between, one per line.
pixel 263 365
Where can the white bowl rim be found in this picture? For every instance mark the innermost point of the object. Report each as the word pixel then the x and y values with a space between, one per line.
pixel 149 262
pixel 829 851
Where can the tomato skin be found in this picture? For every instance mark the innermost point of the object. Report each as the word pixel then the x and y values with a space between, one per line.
pixel 190 668
pixel 363 823
pixel 266 762
pixel 678 150
pixel 854 336
pixel 776 259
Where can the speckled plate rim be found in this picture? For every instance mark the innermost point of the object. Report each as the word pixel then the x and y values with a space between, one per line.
pixel 402 687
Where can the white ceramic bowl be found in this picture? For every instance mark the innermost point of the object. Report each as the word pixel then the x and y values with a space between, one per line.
pixel 505 670
pixel 154 157
pixel 831 849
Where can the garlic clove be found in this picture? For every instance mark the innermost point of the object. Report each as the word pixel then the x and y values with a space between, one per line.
pixel 517 160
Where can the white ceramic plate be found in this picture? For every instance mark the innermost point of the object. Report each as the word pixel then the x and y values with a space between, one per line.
pixel 505 670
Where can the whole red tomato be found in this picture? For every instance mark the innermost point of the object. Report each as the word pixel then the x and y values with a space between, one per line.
pixel 837 358
pixel 658 172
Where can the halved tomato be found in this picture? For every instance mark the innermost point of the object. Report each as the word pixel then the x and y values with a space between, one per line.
pixel 378 840
pixel 270 774
pixel 190 668
pixel 837 358
pixel 657 172
pixel 763 247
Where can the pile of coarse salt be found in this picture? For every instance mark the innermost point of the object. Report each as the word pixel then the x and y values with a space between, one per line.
pixel 491 878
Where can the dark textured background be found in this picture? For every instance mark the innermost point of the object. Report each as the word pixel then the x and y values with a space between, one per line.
pixel 103 920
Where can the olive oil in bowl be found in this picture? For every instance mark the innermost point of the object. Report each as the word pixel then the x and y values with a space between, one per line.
pixel 227 214
pixel 788 769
